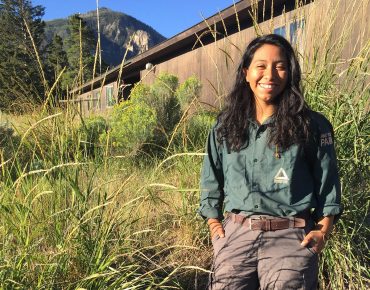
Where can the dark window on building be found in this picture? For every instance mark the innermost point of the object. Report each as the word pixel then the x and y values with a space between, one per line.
pixel 109 96
pixel 295 29
pixel 96 100
pixel 89 103
pixel 280 31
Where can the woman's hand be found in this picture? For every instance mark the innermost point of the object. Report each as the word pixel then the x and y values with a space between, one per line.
pixel 215 227
pixel 316 239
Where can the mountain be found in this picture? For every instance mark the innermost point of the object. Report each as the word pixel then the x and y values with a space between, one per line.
pixel 116 28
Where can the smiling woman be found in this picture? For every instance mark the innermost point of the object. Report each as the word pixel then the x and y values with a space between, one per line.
pixel 279 201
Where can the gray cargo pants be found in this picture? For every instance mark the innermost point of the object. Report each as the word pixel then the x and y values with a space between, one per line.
pixel 254 259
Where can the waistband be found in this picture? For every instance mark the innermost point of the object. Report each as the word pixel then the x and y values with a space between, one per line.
pixel 267 223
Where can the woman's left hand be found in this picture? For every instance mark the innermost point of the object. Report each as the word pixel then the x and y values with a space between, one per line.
pixel 316 239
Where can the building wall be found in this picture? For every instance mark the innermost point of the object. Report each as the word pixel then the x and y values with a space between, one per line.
pixel 99 99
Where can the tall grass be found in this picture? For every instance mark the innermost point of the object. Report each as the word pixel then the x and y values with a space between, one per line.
pixel 69 220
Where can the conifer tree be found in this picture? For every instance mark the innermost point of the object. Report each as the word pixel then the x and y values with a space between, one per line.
pixel 80 52
pixel 21 77
pixel 56 61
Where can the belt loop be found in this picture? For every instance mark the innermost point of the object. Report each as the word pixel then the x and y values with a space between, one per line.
pixel 268 224
pixel 232 216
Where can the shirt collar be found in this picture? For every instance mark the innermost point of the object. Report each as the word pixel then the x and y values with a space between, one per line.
pixel 268 121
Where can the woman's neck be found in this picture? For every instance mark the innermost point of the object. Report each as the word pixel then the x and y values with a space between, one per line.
pixel 264 112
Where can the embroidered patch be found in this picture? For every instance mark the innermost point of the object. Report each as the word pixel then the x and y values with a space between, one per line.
pixel 326 139
pixel 281 176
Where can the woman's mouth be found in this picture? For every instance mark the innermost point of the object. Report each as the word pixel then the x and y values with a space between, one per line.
pixel 267 86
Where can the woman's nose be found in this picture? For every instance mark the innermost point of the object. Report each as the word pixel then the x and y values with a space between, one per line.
pixel 270 73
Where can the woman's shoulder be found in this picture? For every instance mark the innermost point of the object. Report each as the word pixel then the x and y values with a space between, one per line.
pixel 319 122
pixel 322 129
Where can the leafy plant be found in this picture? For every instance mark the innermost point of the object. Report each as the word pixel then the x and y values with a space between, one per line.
pixel 132 125
pixel 189 91
pixel 90 131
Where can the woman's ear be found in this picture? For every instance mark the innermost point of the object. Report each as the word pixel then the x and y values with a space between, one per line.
pixel 245 70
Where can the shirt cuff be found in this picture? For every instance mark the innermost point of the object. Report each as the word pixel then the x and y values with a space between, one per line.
pixel 211 213
pixel 329 210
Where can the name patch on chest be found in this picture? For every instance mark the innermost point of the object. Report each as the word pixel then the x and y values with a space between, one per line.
pixel 281 177
pixel 326 139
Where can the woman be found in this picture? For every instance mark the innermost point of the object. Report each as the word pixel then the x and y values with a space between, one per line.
pixel 269 187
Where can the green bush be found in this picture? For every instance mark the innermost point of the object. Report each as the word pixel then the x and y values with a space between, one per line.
pixel 6 134
pixel 140 94
pixel 90 131
pixel 147 121
pixel 132 125
pixel 188 91
pixel 195 132
pixel 163 99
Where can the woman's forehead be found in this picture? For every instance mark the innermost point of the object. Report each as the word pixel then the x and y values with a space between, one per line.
pixel 269 52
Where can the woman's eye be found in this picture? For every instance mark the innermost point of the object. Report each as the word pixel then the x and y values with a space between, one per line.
pixel 280 67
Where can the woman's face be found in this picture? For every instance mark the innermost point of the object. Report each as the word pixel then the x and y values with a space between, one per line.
pixel 267 74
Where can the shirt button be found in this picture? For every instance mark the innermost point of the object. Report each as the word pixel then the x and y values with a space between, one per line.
pixel 256 206
pixel 255 160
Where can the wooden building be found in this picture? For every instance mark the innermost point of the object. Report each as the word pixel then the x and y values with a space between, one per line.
pixel 211 49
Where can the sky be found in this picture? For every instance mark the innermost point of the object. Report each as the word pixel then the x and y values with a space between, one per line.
pixel 168 17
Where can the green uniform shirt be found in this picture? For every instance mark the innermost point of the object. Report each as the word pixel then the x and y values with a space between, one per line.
pixel 256 181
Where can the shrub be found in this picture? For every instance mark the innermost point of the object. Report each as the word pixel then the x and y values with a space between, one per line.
pixel 195 132
pixel 163 99
pixel 149 117
pixel 147 121
pixel 9 143
pixel 90 131
pixel 132 125
pixel 6 133
pixel 187 91
pixel 140 94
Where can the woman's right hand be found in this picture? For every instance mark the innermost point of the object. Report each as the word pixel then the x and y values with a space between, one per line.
pixel 215 227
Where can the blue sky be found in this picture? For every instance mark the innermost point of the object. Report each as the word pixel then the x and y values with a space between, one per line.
pixel 168 17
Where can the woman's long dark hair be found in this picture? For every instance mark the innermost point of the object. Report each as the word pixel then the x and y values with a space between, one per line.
pixel 291 118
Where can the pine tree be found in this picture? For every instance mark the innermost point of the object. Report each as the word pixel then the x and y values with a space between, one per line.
pixel 80 52
pixel 56 62
pixel 21 78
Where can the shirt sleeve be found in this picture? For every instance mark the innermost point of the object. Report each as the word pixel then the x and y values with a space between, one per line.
pixel 325 172
pixel 211 181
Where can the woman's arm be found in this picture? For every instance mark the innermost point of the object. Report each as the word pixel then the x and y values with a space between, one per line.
pixel 327 184
pixel 211 181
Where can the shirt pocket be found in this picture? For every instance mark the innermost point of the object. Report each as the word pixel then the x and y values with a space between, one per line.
pixel 235 170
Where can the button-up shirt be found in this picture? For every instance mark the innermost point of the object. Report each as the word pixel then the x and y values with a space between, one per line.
pixel 261 179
